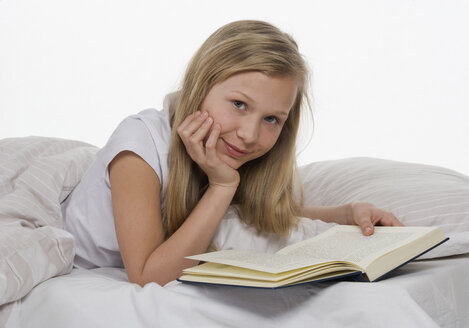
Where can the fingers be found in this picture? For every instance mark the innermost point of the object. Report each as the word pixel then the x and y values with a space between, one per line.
pixel 202 127
pixel 200 137
pixel 210 144
pixel 193 130
pixel 194 124
pixel 187 121
pixel 379 217
pixel 390 220
pixel 366 215
pixel 366 225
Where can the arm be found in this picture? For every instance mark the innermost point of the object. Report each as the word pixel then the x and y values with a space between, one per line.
pixel 139 228
pixel 135 190
pixel 363 214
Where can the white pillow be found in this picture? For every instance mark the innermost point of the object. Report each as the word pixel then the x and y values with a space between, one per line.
pixel 36 174
pixel 417 194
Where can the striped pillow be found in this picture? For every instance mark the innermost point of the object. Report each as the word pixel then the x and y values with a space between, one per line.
pixel 36 174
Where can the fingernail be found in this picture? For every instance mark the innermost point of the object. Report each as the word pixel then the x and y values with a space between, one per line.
pixel 368 229
pixel 208 121
pixel 204 114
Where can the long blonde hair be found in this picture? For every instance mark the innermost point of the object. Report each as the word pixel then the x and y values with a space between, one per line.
pixel 265 197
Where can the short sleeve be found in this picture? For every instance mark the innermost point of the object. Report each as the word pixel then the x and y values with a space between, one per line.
pixel 144 134
pixel 88 213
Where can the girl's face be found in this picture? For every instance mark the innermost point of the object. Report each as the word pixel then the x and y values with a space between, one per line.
pixel 251 108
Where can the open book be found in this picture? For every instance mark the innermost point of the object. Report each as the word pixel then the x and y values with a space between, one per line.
pixel 339 252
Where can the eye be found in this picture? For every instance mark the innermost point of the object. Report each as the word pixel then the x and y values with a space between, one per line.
pixel 239 104
pixel 272 119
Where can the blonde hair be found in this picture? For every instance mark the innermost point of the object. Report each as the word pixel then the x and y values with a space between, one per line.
pixel 265 196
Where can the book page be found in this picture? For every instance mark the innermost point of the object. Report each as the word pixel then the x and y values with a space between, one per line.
pixel 338 244
pixel 347 243
pixel 272 263
pixel 222 270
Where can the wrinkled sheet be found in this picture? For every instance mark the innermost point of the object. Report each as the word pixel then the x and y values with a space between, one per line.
pixel 422 294
pixel 428 293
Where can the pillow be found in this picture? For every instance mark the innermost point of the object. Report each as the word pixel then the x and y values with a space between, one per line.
pixel 417 194
pixel 36 174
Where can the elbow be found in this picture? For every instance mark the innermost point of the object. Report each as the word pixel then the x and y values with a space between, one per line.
pixel 139 282
pixel 158 272
pixel 142 280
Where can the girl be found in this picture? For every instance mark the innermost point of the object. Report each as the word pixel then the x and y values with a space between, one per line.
pixel 159 188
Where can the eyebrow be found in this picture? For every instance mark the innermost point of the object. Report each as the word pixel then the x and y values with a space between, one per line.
pixel 245 95
pixel 282 113
pixel 252 100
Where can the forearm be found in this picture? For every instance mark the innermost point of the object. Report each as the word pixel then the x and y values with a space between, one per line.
pixel 193 237
pixel 337 214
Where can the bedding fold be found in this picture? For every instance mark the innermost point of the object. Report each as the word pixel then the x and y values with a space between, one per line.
pixel 36 175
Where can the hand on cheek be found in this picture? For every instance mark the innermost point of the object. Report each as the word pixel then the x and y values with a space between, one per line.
pixel 200 135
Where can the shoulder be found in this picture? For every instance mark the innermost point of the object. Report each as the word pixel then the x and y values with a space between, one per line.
pixel 146 134
pixel 151 121
pixel 147 129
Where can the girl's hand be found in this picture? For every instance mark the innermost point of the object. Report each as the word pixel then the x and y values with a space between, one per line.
pixel 200 141
pixel 367 216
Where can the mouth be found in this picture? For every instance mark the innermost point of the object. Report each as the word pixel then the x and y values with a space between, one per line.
pixel 232 150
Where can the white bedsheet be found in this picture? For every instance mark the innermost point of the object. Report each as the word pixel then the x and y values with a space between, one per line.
pixel 423 294
pixel 428 293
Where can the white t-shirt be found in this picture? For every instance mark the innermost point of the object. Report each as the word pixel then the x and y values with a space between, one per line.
pixel 87 212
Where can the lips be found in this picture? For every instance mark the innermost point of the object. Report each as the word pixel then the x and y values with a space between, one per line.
pixel 232 150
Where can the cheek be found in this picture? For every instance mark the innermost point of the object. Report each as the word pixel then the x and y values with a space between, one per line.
pixel 268 140
pixel 226 121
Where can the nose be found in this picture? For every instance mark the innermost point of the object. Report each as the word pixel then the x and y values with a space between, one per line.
pixel 248 131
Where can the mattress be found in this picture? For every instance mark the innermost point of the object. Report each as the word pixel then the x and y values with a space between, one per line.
pixel 426 293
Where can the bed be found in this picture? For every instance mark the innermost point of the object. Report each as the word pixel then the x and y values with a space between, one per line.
pixel 39 287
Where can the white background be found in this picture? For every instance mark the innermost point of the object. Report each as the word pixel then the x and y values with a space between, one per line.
pixel 390 78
